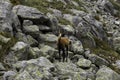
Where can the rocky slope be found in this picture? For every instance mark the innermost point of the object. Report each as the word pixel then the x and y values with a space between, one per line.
pixel 28 35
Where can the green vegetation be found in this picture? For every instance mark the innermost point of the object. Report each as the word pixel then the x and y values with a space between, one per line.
pixel 6 46
pixel 43 5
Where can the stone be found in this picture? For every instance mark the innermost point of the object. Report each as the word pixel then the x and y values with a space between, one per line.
pixel 99 61
pixel 9 75
pixel 4 39
pixel 84 63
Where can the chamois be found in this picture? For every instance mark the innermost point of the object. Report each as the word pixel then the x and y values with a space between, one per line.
pixel 63 45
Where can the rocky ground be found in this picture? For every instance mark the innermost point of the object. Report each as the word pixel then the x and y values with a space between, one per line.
pixel 28 36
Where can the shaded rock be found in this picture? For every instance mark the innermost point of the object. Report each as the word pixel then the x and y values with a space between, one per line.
pixel 111 75
pixel 2 68
pixel 54 23
pixel 27 39
pixel 97 60
pixel 84 63
pixel 32 30
pixel 34 53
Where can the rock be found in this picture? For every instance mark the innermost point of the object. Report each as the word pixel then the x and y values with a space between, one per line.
pixel 117 64
pixel 111 75
pixel 99 61
pixel 27 39
pixel 47 51
pixel 34 53
pixel 106 5
pixel 54 23
pixel 41 62
pixel 24 76
pixel 77 47
pixel 70 71
pixel 19 46
pixel 27 23
pixel 4 39
pixel 67 29
pixel 5 15
pixel 9 75
pixel 48 39
pixel 44 28
pixel 84 63
pixel 29 13
pixel 76 57
pixel 9 20
pixel 20 50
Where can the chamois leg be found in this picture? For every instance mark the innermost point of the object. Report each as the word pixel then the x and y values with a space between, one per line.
pixel 59 55
pixel 66 53
pixel 63 54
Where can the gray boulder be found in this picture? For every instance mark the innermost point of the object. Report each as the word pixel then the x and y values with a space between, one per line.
pixel 84 63
pixel 9 75
pixel 2 68
pixel 106 73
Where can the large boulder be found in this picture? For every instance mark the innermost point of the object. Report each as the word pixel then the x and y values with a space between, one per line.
pixel 29 13
pixel 106 73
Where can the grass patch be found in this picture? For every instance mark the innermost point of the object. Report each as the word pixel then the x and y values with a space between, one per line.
pixel 6 46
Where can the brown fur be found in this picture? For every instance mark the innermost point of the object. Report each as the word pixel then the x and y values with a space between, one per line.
pixel 63 45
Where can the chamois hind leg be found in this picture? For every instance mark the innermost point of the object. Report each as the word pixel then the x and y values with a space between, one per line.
pixel 66 53
pixel 59 55
pixel 63 54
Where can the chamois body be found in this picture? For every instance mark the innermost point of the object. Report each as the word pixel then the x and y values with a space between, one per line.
pixel 63 45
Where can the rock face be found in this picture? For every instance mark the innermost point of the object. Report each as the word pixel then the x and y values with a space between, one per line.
pixel 28 39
